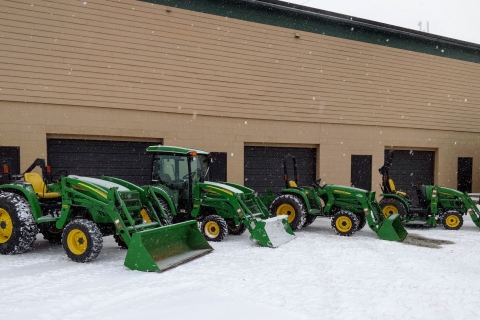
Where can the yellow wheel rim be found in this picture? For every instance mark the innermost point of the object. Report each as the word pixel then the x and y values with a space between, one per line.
pixel 343 224
pixel 77 241
pixel 212 229
pixel 288 210
pixel 389 210
pixel 452 221
pixel 6 226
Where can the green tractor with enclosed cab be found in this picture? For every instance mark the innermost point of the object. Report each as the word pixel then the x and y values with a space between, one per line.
pixel 435 205
pixel 180 176
pixel 348 208
pixel 78 211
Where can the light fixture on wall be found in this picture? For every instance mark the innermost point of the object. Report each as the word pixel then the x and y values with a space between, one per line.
pixel 168 10
pixel 297 35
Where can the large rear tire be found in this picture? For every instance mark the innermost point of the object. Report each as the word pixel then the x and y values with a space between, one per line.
pixel 344 223
pixel 452 220
pixel 167 210
pixel 291 206
pixel 82 240
pixel 18 229
pixel 392 206
pixel 214 228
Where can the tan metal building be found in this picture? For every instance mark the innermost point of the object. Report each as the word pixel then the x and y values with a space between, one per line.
pixel 90 83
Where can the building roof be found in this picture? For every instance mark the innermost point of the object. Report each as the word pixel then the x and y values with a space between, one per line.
pixel 298 17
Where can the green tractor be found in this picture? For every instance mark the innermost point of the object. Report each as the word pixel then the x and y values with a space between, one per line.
pixel 435 205
pixel 348 208
pixel 78 211
pixel 180 176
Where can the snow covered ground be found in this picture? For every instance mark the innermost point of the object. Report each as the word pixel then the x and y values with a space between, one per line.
pixel 319 275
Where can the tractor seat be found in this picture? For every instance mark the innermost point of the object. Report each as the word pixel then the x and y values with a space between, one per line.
pixel 292 184
pixel 391 186
pixel 39 186
pixel 165 177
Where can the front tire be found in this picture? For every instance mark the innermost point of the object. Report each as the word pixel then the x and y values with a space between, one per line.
pixel 52 235
pixel 344 223
pixel 292 207
pixel 120 242
pixel 82 240
pixel 392 206
pixel 309 220
pixel 452 220
pixel 235 230
pixel 18 229
pixel 214 228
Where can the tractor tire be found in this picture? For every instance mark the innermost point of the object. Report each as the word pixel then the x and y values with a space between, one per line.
pixel 344 223
pixel 309 220
pixel 293 207
pixel 235 230
pixel 214 228
pixel 362 221
pixel 392 206
pixel 18 229
pixel 168 212
pixel 52 235
pixel 452 220
pixel 120 242
pixel 82 240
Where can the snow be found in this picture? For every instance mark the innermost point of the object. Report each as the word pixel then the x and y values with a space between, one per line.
pixel 318 275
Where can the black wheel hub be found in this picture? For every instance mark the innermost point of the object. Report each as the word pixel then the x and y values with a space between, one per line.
pixel 81 241
pixel 3 225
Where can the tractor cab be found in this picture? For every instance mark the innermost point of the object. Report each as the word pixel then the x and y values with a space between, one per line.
pixel 177 170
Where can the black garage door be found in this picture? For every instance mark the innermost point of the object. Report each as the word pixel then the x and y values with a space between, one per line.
pixel 121 159
pixel 10 156
pixel 264 167
pixel 412 166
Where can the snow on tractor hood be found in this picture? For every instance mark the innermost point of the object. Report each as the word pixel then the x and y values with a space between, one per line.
pixel 217 185
pixel 99 182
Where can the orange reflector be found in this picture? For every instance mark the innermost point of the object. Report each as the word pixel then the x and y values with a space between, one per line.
pixel 5 169
pixel 192 153
pixel 285 177
pixel 49 169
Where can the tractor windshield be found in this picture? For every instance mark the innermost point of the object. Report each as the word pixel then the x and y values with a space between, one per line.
pixel 168 169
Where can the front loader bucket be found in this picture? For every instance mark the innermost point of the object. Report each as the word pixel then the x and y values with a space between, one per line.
pixel 165 247
pixel 392 229
pixel 272 232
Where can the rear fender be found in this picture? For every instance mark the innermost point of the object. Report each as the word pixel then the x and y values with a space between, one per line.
pixel 26 190
pixel 397 197
pixel 163 194
pixel 300 193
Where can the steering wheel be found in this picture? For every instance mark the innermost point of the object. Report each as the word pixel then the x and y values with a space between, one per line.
pixel 60 174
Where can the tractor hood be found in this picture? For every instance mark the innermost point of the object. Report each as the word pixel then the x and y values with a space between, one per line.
pixel 100 183
pixel 346 190
pixel 221 188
